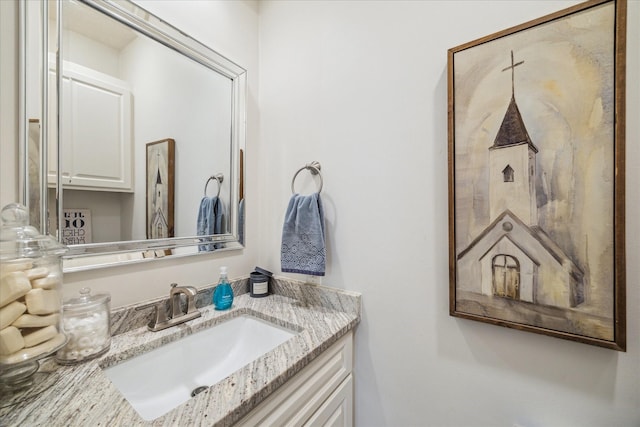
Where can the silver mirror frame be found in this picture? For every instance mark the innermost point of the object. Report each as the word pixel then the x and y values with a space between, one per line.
pixel 99 255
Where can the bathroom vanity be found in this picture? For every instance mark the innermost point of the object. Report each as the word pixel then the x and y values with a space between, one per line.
pixel 306 380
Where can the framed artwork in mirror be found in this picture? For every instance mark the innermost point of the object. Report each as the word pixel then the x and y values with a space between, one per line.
pixel 76 227
pixel 536 119
pixel 160 176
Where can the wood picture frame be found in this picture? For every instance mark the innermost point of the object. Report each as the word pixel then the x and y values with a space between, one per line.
pixel 536 159
pixel 160 183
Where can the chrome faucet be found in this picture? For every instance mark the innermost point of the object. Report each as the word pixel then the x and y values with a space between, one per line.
pixel 175 314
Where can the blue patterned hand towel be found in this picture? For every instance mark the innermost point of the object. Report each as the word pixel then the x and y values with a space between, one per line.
pixel 210 221
pixel 303 248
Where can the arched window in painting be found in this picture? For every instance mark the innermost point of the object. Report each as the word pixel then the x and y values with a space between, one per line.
pixel 506 276
pixel 507 174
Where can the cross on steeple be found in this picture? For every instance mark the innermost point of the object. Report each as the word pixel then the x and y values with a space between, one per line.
pixel 512 67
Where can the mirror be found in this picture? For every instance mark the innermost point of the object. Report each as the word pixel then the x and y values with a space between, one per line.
pixel 150 129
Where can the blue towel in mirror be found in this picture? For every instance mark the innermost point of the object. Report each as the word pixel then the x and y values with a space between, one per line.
pixel 241 222
pixel 210 221
pixel 303 247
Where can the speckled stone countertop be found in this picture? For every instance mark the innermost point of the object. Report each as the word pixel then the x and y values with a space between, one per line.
pixel 82 395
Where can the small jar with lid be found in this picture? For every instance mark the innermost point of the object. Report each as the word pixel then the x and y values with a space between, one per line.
pixel 30 297
pixel 87 323
pixel 259 283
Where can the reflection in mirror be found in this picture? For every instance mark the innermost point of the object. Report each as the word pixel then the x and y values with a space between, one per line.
pixel 33 173
pixel 32 84
pixel 128 84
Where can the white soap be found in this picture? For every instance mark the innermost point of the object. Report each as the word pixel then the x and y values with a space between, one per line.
pixel 46 282
pixel 42 301
pixel 28 353
pixel 33 321
pixel 37 273
pixel 11 312
pixel 13 286
pixel 39 335
pixel 10 340
pixel 15 265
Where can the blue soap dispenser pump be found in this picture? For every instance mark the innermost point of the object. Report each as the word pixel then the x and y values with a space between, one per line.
pixel 223 294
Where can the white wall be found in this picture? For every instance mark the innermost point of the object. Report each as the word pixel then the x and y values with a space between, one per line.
pixel 82 50
pixel 361 87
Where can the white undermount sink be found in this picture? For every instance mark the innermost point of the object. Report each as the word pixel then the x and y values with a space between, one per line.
pixel 158 381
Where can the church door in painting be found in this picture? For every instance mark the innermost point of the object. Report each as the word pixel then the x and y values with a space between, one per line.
pixel 506 276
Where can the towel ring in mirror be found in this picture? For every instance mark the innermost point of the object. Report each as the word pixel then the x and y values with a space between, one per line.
pixel 314 167
pixel 218 178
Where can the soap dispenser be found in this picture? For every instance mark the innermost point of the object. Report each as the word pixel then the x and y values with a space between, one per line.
pixel 223 294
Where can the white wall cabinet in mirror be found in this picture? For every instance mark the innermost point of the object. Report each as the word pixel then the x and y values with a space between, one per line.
pixel 96 131
pixel 116 79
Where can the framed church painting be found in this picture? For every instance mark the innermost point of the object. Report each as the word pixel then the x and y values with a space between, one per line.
pixel 536 176
pixel 160 176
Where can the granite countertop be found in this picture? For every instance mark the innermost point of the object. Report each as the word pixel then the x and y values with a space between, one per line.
pixel 83 395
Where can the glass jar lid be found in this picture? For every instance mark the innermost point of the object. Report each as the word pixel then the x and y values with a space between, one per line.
pixel 86 302
pixel 20 240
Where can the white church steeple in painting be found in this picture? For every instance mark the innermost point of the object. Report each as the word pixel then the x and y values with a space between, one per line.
pixel 512 165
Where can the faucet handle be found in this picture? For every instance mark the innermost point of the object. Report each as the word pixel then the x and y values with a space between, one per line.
pixel 160 313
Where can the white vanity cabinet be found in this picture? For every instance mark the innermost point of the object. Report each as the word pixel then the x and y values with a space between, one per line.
pixel 96 131
pixel 321 394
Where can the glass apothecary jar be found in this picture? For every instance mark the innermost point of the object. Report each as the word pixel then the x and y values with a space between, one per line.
pixel 87 323
pixel 30 298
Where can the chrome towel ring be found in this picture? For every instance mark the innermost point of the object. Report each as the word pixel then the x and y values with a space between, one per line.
pixel 218 178
pixel 314 167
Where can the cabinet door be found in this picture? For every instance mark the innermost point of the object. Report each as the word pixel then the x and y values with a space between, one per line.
pixel 337 410
pixel 299 399
pixel 96 131
pixel 100 155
